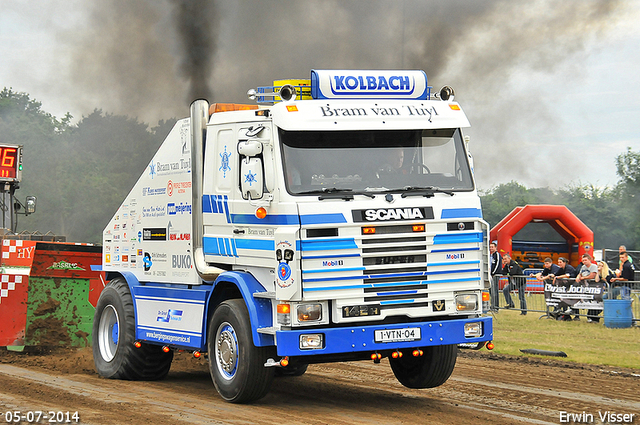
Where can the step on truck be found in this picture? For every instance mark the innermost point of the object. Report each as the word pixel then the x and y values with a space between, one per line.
pixel 336 219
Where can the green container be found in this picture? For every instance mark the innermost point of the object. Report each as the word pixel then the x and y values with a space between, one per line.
pixel 59 312
pixel 49 293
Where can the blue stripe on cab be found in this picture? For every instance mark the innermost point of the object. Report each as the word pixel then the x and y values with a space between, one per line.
pixel 206 204
pixel 261 244
pixel 210 246
pixel 396 302
pixel 275 219
pixel 333 270
pixel 308 219
pixel 397 293
pixel 450 238
pixel 461 213
pixel 328 244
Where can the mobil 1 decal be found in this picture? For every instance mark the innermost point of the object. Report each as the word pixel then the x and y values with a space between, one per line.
pixel 392 214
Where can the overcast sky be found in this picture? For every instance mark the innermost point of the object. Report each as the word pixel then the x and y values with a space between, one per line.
pixel 551 87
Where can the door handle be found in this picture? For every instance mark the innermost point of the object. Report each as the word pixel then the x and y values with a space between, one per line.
pixel 238 231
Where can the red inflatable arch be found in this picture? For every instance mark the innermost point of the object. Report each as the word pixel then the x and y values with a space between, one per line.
pixel 559 218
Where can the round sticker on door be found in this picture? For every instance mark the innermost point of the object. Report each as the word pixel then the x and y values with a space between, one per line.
pixel 284 273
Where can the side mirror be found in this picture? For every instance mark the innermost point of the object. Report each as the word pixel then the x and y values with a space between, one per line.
pixel 251 182
pixel 251 171
pixel 30 206
pixel 250 148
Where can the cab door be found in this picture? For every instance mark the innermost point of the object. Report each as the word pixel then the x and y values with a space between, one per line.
pixel 219 186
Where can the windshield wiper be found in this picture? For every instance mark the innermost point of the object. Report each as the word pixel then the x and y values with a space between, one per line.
pixel 426 191
pixel 335 192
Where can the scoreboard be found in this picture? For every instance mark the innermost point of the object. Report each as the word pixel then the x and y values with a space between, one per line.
pixel 10 163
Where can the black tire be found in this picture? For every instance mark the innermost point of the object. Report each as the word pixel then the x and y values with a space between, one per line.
pixel 430 370
pixel 236 364
pixel 297 370
pixel 113 336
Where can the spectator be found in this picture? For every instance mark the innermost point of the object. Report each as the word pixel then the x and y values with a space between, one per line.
pixel 604 276
pixel 565 273
pixel 587 271
pixel 516 281
pixel 548 272
pixel 564 277
pixel 496 259
pixel 622 249
pixel 604 272
pixel 496 268
pixel 624 275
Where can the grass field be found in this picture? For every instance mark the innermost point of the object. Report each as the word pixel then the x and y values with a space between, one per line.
pixel 582 342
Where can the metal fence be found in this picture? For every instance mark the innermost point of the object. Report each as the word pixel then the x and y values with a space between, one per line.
pixel 527 295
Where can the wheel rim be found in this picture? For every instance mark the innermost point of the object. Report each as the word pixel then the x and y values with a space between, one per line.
pixel 108 333
pixel 226 351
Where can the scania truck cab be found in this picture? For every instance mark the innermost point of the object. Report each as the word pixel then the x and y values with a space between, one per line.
pixel 337 220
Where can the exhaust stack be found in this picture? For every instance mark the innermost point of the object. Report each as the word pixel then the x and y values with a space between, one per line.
pixel 199 119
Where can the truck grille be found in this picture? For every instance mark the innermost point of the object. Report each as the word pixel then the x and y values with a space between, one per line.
pixel 397 269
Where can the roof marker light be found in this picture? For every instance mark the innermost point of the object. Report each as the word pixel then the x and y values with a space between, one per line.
pixel 228 107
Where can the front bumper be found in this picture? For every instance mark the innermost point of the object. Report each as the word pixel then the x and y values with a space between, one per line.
pixel 354 339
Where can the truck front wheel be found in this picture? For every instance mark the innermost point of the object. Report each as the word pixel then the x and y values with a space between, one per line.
pixel 430 370
pixel 236 364
pixel 113 336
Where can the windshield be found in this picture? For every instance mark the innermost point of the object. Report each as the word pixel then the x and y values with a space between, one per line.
pixel 374 161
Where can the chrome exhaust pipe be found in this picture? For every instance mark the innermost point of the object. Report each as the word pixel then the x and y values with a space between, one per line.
pixel 199 118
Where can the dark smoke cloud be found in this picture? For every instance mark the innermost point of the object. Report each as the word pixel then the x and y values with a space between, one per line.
pixel 196 25
pixel 150 59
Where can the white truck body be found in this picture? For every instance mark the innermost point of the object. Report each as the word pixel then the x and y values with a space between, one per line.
pixel 296 205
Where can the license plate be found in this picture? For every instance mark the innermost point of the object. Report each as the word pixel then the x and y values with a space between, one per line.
pixel 397 335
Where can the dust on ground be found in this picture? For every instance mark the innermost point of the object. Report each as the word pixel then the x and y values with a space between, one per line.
pixel 485 388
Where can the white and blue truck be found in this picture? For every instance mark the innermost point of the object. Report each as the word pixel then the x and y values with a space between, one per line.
pixel 336 219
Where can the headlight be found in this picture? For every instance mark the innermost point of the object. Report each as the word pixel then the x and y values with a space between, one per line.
pixel 467 302
pixel 309 312
pixel 473 329
pixel 311 341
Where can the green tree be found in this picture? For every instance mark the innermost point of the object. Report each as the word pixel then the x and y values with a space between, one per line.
pixel 628 169
pixel 598 208
pixel 79 173
pixel 499 201
pixel 610 213
pixel 104 157
pixel 23 122
pixel 628 196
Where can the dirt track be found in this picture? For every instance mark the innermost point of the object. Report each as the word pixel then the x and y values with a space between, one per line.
pixel 484 389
